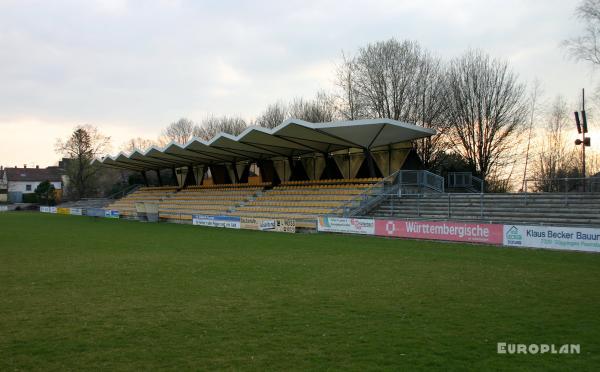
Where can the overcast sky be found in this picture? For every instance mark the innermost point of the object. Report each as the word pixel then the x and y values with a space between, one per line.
pixel 132 67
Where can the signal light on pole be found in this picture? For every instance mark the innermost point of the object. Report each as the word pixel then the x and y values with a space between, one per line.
pixel 584 121
pixel 586 142
pixel 577 122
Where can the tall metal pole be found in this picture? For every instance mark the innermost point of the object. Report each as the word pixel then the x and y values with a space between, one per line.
pixel 583 136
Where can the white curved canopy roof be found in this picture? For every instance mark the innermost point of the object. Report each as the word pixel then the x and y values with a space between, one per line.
pixel 293 137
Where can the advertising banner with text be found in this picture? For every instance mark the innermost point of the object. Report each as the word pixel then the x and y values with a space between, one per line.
pixel 440 230
pixel 567 238
pixel 45 209
pixel 229 222
pixel 268 224
pixel 63 210
pixel 365 226
pixel 3 208
pixel 76 211
pixel 109 213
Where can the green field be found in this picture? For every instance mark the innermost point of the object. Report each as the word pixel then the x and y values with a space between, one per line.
pixel 82 293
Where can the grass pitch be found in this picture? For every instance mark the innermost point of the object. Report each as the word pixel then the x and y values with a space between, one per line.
pixel 81 293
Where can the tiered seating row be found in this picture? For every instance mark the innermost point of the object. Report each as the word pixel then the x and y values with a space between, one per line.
pixel 355 186
pixel 208 201
pixel 302 202
pixel 126 205
pixel 340 181
pixel 310 191
pixel 230 186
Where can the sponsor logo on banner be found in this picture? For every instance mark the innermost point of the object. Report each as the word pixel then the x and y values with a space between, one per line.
pixel 438 230
pixel 346 225
pixel 567 238
pixel 63 210
pixel 229 222
pixel 76 211
pixel 109 213
pixel 45 209
pixel 95 212
pixel 53 210
pixel 268 224
pixel 3 208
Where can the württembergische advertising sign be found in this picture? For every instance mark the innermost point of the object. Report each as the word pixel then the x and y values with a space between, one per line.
pixel 440 230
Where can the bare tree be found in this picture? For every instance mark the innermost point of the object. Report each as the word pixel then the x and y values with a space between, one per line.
pixel 555 157
pixel 213 125
pixel 533 102
pixel 81 148
pixel 430 109
pixel 137 143
pixel 385 76
pixel 351 103
pixel 320 109
pixel 180 131
pixel 274 115
pixel 587 46
pixel 400 81
pixel 486 107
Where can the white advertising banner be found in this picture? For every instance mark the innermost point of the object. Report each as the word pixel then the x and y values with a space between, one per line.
pixel 364 226
pixel 77 211
pixel 3 208
pixel 230 222
pixel 45 209
pixel 53 210
pixel 565 238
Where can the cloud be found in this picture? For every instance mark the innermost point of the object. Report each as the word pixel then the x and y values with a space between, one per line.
pixel 132 67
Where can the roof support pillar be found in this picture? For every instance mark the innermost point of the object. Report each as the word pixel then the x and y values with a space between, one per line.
pixel 160 183
pixel 327 166
pixel 202 176
pixel 174 175
pixel 144 177
pixel 190 180
pixel 370 163
pixel 236 176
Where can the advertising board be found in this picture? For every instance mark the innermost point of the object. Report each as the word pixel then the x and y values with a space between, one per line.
pixel 229 222
pixel 63 210
pixel 566 238
pixel 109 213
pixel 76 211
pixel 440 230
pixel 268 224
pixel 364 226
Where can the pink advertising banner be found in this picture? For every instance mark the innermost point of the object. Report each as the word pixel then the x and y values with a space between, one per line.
pixel 441 230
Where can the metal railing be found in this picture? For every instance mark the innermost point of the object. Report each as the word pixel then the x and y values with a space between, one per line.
pixel 368 197
pixel 397 183
pixel 562 185
pixel 413 182
pixel 465 180
pixel 127 190
pixel 453 202
pixel 565 186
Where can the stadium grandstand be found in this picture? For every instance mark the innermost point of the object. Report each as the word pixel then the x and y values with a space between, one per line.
pixel 304 170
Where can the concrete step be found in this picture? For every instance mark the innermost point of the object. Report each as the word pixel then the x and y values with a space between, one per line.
pixel 490 209
pixel 512 220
